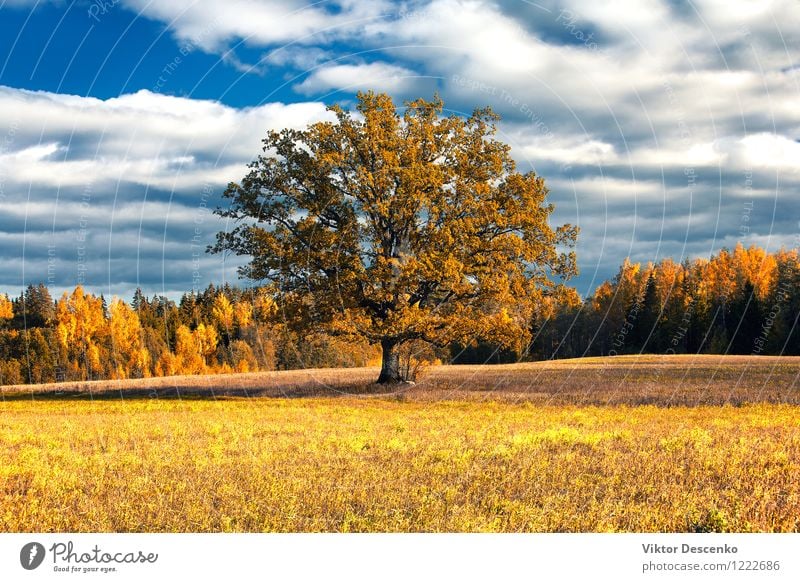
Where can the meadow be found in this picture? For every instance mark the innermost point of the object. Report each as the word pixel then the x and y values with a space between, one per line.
pixel 681 443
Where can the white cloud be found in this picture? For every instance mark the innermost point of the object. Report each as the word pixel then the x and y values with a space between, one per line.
pixel 569 151
pixel 622 17
pixel 142 138
pixel 763 150
pixel 742 13
pixel 212 24
pixel 377 76
pixel 299 57
pixel 467 35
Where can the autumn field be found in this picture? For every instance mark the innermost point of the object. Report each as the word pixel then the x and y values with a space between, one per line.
pixel 650 443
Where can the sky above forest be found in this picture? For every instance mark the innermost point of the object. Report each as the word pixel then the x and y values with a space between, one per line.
pixel 663 128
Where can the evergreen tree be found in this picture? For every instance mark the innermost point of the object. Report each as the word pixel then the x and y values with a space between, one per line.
pixel 34 308
pixel 745 323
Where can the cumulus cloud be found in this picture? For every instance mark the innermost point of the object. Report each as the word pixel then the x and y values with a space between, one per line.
pixel 298 57
pixel 377 76
pixel 146 126
pixel 119 192
pixel 213 24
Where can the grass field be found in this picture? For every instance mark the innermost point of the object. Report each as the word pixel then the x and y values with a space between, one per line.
pixel 627 444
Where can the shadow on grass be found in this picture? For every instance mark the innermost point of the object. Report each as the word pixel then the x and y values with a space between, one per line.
pixel 209 393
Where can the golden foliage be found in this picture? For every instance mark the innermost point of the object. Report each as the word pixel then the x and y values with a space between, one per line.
pixel 131 358
pixel 6 308
pixel 243 313
pixel 265 307
pixel 399 227
pixel 80 326
pixel 222 311
pixel 205 339
pixel 188 356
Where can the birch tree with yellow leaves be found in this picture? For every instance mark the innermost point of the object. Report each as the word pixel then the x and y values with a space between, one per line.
pixel 6 309
pixel 398 226
pixel 129 356
pixel 81 325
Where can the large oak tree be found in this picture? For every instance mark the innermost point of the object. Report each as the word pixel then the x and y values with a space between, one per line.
pixel 397 227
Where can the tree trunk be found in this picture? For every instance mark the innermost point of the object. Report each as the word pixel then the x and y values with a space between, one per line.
pixel 390 363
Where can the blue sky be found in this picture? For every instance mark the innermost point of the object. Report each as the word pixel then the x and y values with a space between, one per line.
pixel 663 127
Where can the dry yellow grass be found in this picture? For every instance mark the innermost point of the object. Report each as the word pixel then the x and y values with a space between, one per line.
pixel 388 463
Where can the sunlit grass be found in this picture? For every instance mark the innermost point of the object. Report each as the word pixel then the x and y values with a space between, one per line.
pixel 382 464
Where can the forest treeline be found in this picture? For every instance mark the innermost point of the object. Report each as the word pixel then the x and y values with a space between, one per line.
pixel 744 301
pixel 83 337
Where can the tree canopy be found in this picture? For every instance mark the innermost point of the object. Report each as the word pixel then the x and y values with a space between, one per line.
pixel 398 227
